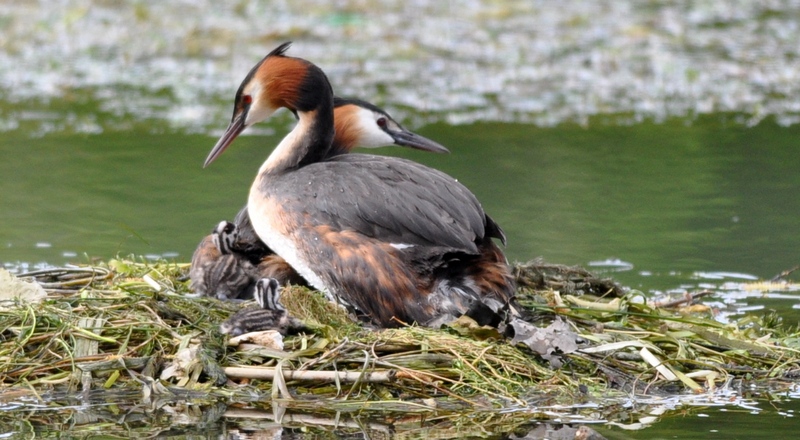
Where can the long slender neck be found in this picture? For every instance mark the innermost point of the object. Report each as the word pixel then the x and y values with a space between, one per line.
pixel 319 136
pixel 309 141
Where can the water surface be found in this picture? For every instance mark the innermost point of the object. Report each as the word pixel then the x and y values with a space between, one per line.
pixel 653 141
pixel 703 196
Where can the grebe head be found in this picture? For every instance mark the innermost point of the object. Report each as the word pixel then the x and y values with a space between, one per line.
pixel 361 124
pixel 224 236
pixel 267 294
pixel 276 81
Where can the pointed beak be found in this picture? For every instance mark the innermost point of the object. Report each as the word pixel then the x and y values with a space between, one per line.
pixel 413 140
pixel 236 126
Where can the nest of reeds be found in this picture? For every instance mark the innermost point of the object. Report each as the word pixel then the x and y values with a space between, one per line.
pixel 130 325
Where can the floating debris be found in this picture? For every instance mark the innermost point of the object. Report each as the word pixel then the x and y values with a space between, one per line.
pixel 16 292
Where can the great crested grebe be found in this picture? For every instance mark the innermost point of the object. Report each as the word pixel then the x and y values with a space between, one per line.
pixel 269 314
pixel 359 124
pixel 396 240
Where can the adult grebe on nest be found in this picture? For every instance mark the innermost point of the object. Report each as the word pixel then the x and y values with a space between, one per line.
pixel 396 240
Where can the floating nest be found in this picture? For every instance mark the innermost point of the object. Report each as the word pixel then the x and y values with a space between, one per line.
pixel 133 327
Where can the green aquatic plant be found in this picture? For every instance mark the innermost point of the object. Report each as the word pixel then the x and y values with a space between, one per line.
pixel 131 324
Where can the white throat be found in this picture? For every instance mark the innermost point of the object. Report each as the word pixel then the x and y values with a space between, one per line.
pixel 277 160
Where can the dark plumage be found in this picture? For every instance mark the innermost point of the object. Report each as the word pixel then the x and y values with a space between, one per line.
pixel 248 243
pixel 392 199
pixel 269 314
pixel 393 248
pixel 217 272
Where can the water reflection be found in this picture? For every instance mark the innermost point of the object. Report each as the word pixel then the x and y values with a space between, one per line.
pixel 725 414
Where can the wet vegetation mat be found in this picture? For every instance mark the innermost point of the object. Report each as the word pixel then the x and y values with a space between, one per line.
pixel 84 336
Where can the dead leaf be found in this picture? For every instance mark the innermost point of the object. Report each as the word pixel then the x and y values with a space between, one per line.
pixel 267 338
pixel 549 342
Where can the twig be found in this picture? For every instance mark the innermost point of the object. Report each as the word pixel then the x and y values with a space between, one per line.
pixel 312 376
pixel 785 273
pixel 687 299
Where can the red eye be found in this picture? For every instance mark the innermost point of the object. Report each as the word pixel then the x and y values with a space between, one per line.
pixel 247 99
pixel 381 122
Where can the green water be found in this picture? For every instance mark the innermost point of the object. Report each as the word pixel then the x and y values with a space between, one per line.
pixel 672 202
pixel 773 420
pixel 705 196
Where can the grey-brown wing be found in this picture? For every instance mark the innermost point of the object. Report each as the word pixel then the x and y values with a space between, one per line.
pixel 248 243
pixel 396 200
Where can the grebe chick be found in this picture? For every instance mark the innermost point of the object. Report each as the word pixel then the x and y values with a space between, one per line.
pixel 269 314
pixel 216 271
pixel 395 240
